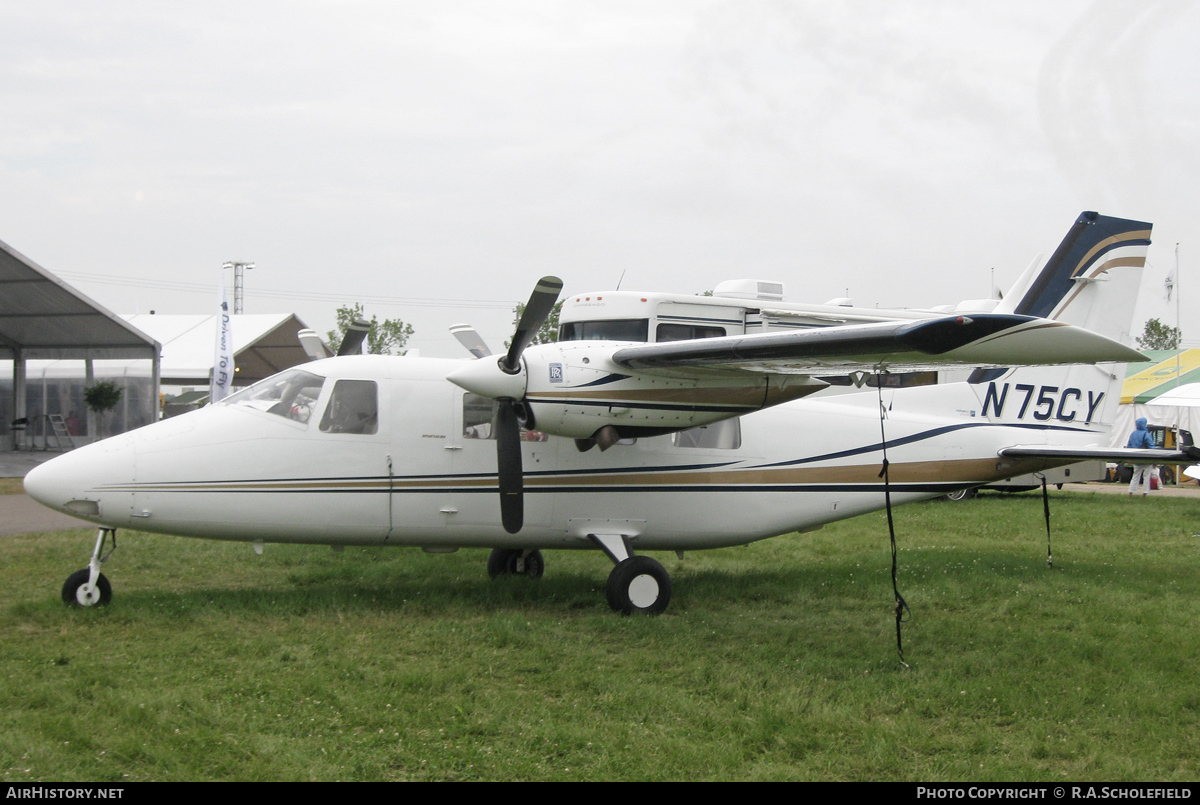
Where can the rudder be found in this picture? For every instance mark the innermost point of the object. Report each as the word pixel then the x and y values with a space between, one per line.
pixel 1090 281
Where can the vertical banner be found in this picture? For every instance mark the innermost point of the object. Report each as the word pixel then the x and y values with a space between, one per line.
pixel 222 375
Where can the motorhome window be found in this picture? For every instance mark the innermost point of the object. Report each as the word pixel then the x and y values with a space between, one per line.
pixel 353 408
pixel 686 332
pixel 479 420
pixel 609 330
pixel 291 394
pixel 723 435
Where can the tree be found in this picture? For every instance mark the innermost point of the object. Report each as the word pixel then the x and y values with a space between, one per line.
pixel 102 397
pixel 386 337
pixel 1157 335
pixel 547 333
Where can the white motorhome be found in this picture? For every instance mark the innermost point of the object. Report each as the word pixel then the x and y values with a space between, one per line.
pixel 736 307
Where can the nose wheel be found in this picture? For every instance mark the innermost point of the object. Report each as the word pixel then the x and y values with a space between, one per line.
pixel 88 587
pixel 78 592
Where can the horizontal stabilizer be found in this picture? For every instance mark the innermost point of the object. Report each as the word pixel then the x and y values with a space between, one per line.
pixel 1131 455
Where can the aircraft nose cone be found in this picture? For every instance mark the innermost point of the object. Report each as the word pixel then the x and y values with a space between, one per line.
pixel 45 486
pixel 74 483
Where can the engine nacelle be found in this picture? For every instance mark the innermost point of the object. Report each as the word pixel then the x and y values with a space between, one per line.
pixel 573 389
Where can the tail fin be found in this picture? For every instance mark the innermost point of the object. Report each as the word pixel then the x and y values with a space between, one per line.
pixel 1092 278
pixel 1091 281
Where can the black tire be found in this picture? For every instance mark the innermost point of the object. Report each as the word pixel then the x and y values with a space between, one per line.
pixel 70 590
pixel 961 494
pixel 504 562
pixel 535 565
pixel 639 584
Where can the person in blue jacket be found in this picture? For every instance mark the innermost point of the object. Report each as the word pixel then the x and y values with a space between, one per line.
pixel 1142 440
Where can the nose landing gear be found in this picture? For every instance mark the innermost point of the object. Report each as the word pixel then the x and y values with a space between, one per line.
pixel 88 587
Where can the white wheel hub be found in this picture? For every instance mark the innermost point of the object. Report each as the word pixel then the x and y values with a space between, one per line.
pixel 643 591
pixel 88 596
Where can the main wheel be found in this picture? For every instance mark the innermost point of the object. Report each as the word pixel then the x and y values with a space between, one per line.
pixel 639 584
pixel 961 494
pixel 73 594
pixel 506 561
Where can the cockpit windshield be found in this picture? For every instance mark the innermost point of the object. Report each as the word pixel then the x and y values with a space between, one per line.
pixel 292 394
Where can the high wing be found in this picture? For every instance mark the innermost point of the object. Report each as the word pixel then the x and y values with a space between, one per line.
pixel 982 340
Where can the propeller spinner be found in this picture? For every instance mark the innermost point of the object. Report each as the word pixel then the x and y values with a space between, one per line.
pixel 504 381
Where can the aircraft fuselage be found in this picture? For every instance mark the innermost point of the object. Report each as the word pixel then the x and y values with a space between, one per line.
pixel 236 472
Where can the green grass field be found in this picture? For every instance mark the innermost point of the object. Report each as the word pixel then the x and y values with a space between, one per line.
pixel 775 661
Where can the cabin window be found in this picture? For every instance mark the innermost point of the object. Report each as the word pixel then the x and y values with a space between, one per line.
pixel 686 332
pixel 353 408
pixel 479 420
pixel 723 435
pixel 479 414
pixel 610 330
pixel 291 394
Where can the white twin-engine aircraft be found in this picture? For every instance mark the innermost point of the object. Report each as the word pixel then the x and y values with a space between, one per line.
pixel 702 443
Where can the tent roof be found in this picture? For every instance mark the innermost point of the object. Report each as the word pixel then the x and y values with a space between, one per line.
pixel 264 343
pixel 1144 383
pixel 43 317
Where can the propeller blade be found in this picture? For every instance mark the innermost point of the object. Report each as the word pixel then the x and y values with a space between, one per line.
pixel 352 342
pixel 541 303
pixel 508 459
pixel 470 339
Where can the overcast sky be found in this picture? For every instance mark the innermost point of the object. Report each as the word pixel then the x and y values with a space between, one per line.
pixel 380 151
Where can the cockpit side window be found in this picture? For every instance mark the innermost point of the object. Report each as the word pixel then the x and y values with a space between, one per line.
pixel 353 408
pixel 291 395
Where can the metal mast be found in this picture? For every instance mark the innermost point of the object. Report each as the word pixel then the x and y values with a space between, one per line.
pixel 239 274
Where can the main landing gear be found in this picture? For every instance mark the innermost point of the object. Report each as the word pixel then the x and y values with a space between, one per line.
pixel 515 562
pixel 637 583
pixel 88 587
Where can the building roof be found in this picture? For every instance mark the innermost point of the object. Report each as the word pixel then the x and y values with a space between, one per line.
pixel 43 317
